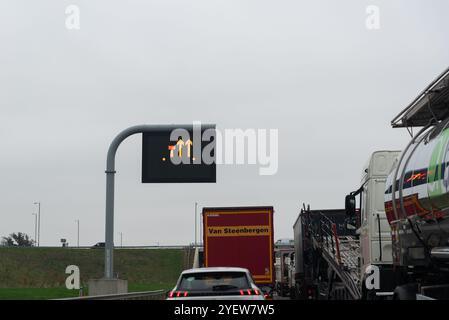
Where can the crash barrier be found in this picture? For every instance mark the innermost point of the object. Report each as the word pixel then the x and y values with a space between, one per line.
pixel 145 295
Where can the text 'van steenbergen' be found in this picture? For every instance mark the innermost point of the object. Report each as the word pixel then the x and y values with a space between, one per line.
pixel 238 146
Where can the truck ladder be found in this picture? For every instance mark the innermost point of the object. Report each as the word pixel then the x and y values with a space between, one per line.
pixel 340 252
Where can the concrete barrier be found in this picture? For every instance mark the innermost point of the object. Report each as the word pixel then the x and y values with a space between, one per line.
pixel 99 287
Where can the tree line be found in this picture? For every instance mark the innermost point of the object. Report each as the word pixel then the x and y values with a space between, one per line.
pixel 17 239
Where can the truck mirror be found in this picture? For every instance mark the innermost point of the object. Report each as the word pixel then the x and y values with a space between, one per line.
pixel 350 205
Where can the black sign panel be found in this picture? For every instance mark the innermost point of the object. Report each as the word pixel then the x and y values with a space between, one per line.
pixel 179 154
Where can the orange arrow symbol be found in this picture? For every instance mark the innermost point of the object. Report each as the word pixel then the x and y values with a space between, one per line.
pixel 180 143
pixel 189 144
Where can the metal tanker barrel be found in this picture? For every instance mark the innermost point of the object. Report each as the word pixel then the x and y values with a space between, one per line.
pixel 421 190
pixel 417 193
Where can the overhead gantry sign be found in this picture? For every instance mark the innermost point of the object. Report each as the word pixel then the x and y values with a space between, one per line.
pixel 170 153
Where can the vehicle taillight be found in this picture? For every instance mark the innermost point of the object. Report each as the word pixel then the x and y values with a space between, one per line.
pixel 175 294
pixel 310 293
pixel 249 292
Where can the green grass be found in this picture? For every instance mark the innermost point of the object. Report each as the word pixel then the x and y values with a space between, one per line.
pixel 36 293
pixel 39 273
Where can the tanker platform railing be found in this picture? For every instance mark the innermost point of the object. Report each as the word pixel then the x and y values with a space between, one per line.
pixel 341 252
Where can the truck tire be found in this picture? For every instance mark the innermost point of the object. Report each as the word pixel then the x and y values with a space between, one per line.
pixel 282 290
pixel 293 293
pixel 368 294
pixel 277 288
pixel 406 292
pixel 371 295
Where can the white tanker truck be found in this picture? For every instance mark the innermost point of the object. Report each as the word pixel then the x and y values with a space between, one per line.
pixel 401 228
pixel 417 197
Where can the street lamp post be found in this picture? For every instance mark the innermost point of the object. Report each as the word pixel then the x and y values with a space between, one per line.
pixel 38 223
pixel 121 239
pixel 201 230
pixel 35 228
pixel 78 232
pixel 196 223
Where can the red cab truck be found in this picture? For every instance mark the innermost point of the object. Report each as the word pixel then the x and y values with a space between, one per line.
pixel 241 237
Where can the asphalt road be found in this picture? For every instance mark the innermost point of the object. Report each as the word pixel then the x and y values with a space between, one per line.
pixel 276 297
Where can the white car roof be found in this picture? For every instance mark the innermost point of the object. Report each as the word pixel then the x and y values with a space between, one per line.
pixel 215 269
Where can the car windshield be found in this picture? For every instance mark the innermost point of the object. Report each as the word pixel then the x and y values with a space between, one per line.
pixel 214 281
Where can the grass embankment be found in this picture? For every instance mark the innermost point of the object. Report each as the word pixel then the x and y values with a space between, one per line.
pixel 39 273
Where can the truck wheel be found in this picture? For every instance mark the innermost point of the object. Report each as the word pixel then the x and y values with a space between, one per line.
pixel 292 293
pixel 281 291
pixel 371 295
pixel 406 292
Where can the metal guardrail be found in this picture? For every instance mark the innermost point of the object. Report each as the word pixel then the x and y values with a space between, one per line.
pixel 101 248
pixel 145 295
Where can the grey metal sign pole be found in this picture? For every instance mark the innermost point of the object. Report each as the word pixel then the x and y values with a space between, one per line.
pixel 110 175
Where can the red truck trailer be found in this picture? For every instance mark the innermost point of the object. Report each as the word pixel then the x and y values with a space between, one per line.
pixel 240 237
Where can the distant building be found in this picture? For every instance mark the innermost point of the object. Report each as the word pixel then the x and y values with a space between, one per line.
pixel 284 243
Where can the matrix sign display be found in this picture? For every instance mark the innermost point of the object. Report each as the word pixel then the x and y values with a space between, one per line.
pixel 179 154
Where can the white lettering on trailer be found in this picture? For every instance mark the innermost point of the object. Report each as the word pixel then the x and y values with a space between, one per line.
pixel 372 280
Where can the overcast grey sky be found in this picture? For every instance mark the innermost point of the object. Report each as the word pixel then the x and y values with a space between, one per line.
pixel 308 68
